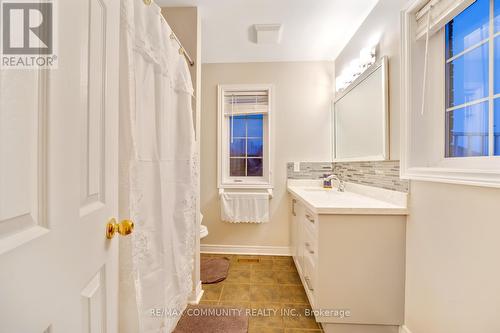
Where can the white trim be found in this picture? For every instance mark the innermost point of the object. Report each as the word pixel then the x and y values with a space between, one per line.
pixel 404 329
pixel 269 190
pixel 246 249
pixel 197 294
pixel 374 158
pixel 485 178
pixel 476 175
pixel 408 26
pixel 266 180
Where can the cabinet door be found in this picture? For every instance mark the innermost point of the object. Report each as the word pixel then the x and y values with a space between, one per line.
pixel 293 227
pixel 299 212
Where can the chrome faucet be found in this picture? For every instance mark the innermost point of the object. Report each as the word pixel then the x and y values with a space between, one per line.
pixel 327 180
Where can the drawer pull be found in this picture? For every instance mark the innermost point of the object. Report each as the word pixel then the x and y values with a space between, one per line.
pixel 309 218
pixel 308 283
pixel 308 247
pixel 293 207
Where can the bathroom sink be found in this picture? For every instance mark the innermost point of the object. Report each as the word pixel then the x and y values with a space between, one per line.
pixel 356 199
pixel 320 189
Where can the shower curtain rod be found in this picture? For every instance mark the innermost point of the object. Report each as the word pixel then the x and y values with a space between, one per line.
pixel 182 49
pixel 173 36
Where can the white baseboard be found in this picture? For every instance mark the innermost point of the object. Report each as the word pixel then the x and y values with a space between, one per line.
pixel 404 329
pixel 236 249
pixel 196 295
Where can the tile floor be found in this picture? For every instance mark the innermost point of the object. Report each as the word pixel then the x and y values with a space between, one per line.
pixel 271 283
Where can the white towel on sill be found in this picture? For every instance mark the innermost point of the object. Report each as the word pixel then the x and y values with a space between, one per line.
pixel 238 207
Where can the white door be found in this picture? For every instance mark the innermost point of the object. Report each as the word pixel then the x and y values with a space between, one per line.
pixel 58 180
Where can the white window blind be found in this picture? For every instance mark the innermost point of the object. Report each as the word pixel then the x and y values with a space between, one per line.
pixel 246 102
pixel 441 12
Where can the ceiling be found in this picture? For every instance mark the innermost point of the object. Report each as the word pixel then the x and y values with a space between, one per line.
pixel 312 29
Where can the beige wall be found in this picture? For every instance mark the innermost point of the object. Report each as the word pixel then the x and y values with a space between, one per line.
pixel 303 91
pixel 453 231
pixel 453 259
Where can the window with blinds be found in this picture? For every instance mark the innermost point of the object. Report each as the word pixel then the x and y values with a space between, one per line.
pixel 471 34
pixel 450 102
pixel 244 138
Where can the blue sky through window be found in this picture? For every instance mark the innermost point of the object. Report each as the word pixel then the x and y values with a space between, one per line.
pixel 468 116
pixel 468 28
pixel 496 127
pixel 496 66
pixel 467 77
pixel 468 131
pixel 247 145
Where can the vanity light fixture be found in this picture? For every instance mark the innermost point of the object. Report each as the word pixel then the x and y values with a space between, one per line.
pixel 367 57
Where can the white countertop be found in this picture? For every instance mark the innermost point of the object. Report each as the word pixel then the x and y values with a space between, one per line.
pixel 356 200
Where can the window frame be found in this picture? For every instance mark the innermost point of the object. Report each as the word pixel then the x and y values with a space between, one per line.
pixel 224 179
pixel 422 165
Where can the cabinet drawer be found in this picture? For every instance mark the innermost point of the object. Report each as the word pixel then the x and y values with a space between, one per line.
pixel 310 242
pixel 309 263
pixel 310 221
pixel 309 275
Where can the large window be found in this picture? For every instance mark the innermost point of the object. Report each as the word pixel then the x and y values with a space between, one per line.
pixel 244 136
pixel 450 91
pixel 473 81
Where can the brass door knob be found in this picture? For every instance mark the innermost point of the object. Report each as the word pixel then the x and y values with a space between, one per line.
pixel 124 228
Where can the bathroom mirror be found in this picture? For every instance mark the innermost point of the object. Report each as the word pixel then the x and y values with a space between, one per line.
pixel 361 117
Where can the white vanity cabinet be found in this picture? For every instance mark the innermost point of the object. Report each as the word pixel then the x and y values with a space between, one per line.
pixel 304 245
pixel 351 262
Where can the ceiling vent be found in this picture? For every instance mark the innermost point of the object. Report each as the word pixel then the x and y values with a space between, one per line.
pixel 268 33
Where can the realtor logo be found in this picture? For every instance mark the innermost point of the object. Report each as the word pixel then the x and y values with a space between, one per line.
pixel 27 34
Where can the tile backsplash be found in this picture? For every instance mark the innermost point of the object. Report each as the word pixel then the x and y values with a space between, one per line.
pixel 383 174
pixel 309 170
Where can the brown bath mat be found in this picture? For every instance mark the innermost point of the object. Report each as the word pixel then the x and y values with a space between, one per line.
pixel 208 319
pixel 213 270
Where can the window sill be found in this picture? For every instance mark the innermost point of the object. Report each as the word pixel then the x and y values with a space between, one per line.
pixel 264 186
pixel 267 188
pixel 472 177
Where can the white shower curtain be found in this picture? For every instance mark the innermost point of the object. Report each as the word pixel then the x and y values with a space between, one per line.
pixel 157 174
